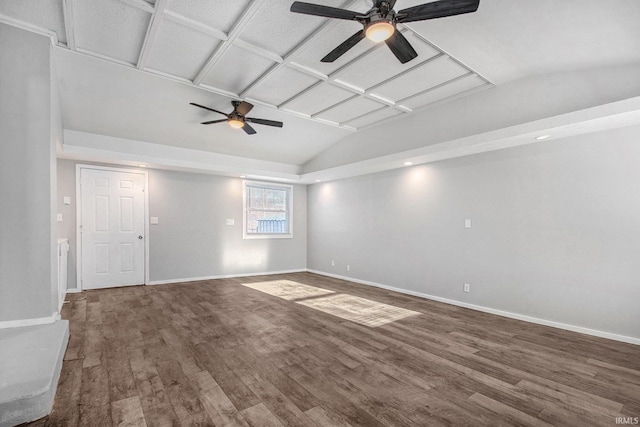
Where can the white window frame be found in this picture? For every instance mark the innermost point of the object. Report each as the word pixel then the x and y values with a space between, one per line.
pixel 289 209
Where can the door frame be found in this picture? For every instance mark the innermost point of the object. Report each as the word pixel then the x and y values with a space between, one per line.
pixel 145 173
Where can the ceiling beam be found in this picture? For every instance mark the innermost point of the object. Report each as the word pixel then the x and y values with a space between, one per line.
pixel 289 56
pixel 69 23
pixel 194 25
pixel 344 101
pixel 435 46
pixel 334 79
pixel 438 86
pixel 152 32
pixel 139 4
pixel 233 34
pixel 260 51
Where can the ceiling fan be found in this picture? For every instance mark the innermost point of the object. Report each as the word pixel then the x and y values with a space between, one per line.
pixel 237 118
pixel 380 22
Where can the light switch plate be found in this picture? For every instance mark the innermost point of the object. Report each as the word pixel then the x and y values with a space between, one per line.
pixel 154 220
pixel 59 217
pixel 467 223
pixel 66 200
pixel 231 221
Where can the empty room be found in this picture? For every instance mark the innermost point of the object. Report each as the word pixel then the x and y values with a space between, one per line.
pixel 319 213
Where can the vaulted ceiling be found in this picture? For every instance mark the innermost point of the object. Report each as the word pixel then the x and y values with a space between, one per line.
pixel 129 68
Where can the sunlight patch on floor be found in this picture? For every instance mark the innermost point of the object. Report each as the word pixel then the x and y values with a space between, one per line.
pixel 344 306
pixel 359 310
pixel 288 289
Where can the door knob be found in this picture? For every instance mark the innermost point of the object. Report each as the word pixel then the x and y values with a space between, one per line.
pixel 140 237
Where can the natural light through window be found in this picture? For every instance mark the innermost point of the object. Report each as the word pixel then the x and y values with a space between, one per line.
pixel 267 210
pixel 344 306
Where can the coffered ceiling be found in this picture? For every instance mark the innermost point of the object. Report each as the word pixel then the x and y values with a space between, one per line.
pixel 148 59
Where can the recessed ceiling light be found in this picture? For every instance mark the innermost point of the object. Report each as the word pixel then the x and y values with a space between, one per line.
pixel 242 176
pixel 142 165
pixel 541 137
pixel 408 163
pixel 317 180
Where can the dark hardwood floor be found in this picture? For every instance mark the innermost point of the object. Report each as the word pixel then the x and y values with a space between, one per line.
pixel 219 353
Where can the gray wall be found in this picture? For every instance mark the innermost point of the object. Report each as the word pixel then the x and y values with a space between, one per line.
pixel 555 230
pixel 27 177
pixel 192 239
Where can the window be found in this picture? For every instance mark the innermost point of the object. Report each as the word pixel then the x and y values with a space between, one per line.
pixel 267 210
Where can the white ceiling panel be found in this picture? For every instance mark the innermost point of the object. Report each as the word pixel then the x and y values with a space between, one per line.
pixel 318 98
pixel 421 78
pixel 501 42
pixel 275 28
pixel 108 99
pixel 282 85
pixel 236 70
pixel 350 110
pixel 180 51
pixel 362 74
pixel 374 117
pixel 444 91
pixel 46 14
pixel 111 28
pixel 219 14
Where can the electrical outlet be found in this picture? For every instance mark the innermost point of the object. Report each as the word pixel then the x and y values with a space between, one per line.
pixel 348 267
pixel 333 263
pixel 467 287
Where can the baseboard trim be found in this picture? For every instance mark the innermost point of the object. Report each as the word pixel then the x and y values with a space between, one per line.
pixel 74 291
pixel 536 320
pixel 29 322
pixel 223 276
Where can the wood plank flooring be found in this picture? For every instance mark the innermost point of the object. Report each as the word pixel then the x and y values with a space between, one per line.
pixel 215 353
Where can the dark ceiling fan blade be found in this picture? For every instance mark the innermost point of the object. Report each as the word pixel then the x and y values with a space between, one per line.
pixel 401 47
pixel 248 129
pixel 263 122
pixel 344 47
pixel 210 109
pixel 437 9
pixel 243 107
pixel 325 11
pixel 213 121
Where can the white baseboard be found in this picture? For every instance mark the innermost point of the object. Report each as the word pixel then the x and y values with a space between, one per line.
pixel 30 322
pixel 573 328
pixel 224 276
pixel 74 291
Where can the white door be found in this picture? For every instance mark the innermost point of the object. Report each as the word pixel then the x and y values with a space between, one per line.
pixel 112 228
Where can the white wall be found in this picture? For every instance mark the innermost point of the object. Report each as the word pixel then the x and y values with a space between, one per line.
pixel 555 230
pixel 192 239
pixel 27 178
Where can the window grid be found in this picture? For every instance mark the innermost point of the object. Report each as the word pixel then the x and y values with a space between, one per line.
pixel 267 210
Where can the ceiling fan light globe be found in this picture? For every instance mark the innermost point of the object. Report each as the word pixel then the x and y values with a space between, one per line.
pixel 236 124
pixel 379 31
